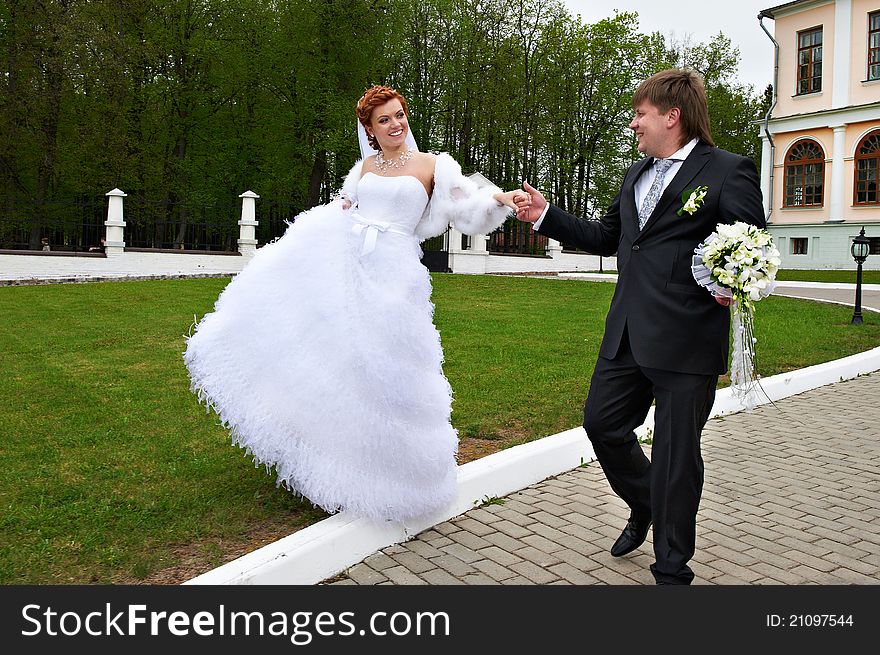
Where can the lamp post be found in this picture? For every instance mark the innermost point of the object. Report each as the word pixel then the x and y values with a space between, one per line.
pixel 859 250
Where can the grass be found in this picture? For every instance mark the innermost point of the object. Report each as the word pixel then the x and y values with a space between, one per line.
pixel 114 474
pixel 845 276
pixel 109 466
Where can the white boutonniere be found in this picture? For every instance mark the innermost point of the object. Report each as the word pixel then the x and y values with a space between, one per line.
pixel 692 199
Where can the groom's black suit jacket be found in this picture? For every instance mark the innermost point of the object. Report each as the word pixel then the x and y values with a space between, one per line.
pixel 673 323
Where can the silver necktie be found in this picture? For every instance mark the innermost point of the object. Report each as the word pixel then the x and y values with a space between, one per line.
pixel 653 197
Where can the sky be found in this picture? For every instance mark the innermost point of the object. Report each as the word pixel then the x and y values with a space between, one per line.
pixel 701 20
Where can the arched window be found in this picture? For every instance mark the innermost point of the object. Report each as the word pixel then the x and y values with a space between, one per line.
pixel 867 159
pixel 804 175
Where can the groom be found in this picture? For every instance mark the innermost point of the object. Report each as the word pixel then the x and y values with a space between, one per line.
pixel 666 338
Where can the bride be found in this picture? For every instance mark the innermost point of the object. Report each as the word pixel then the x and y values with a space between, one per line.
pixel 321 356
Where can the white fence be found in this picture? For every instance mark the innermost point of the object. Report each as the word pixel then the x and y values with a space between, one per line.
pixel 118 262
pixel 478 260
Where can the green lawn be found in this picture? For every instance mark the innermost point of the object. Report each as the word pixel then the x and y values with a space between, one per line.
pixel 113 472
pixel 848 276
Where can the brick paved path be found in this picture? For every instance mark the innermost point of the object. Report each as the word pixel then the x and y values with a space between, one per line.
pixel 792 496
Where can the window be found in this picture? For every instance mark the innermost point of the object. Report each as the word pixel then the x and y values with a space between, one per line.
pixel 874 246
pixel 799 245
pixel 809 79
pixel 867 158
pixel 804 175
pixel 874 46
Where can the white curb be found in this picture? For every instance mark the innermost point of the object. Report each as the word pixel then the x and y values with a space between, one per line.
pixel 324 549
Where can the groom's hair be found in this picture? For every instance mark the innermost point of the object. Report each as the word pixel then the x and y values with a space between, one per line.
pixel 682 88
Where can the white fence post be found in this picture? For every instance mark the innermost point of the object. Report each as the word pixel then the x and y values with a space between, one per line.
pixel 554 248
pixel 247 237
pixel 453 243
pixel 113 238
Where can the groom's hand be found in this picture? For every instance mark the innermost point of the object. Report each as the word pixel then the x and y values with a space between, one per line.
pixel 529 205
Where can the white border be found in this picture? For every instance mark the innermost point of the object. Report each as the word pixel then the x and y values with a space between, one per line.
pixel 324 549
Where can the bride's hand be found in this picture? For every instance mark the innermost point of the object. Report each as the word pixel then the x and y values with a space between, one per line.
pixel 508 198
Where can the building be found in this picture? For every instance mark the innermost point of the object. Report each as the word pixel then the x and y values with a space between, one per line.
pixel 820 162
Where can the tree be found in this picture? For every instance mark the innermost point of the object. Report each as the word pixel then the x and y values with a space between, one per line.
pixel 37 40
pixel 184 104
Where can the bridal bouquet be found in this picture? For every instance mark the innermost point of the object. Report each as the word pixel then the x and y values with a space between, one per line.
pixel 739 261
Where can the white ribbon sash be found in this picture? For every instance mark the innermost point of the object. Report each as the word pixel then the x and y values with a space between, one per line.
pixel 371 229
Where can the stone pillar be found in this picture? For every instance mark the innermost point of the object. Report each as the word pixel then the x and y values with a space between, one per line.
pixel 554 248
pixel 247 238
pixel 454 242
pixel 837 192
pixel 472 260
pixel 115 225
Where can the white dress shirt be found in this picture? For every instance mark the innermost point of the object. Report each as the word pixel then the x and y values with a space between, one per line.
pixel 643 184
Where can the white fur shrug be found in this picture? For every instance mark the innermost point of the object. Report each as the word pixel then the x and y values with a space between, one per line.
pixel 456 199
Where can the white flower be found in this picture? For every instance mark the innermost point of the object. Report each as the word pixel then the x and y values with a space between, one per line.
pixel 738 260
pixel 693 199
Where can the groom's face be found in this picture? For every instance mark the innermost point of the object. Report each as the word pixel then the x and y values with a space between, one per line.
pixel 652 130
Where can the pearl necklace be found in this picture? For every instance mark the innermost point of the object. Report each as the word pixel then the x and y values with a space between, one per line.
pixel 383 165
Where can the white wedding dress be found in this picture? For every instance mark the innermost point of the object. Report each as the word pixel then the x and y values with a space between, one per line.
pixel 322 359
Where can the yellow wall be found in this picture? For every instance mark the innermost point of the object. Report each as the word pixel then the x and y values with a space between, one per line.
pixel 862 92
pixel 854 134
pixel 825 138
pixel 786 29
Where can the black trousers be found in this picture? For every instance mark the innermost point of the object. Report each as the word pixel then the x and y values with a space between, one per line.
pixel 665 489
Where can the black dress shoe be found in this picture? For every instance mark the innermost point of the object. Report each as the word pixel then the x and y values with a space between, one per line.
pixel 633 536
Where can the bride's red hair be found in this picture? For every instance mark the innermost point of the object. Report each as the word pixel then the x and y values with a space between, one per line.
pixel 376 96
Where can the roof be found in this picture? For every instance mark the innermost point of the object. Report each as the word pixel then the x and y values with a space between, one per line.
pixel 772 11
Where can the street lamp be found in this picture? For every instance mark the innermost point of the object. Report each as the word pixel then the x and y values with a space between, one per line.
pixel 859 250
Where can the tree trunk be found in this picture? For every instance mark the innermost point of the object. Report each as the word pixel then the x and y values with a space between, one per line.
pixel 319 170
pixel 180 156
pixel 49 133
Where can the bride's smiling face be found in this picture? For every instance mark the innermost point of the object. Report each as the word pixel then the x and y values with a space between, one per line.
pixel 389 125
